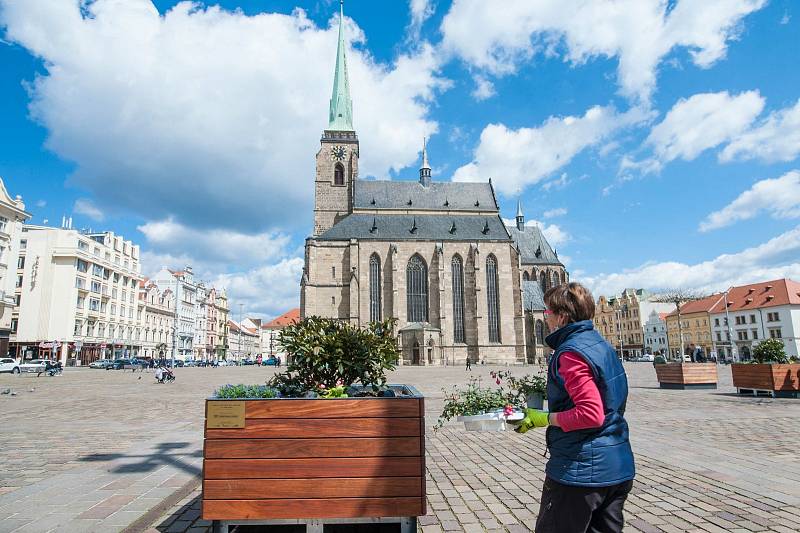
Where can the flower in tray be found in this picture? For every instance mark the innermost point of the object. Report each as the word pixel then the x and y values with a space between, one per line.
pixel 497 381
pixel 508 410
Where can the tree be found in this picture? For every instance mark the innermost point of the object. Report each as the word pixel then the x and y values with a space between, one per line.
pixel 770 351
pixel 679 297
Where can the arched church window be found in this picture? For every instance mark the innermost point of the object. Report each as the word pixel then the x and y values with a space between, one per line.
pixel 417 289
pixel 543 281
pixel 492 297
pixel 556 281
pixel 525 276
pixel 338 174
pixel 374 288
pixel 563 277
pixel 539 332
pixel 457 270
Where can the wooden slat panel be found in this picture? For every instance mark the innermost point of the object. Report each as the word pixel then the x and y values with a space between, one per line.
pixel 751 376
pixel 274 428
pixel 327 508
pixel 299 448
pixel 686 373
pixel 344 408
pixel 312 468
pixel 786 377
pixel 423 488
pixel 255 489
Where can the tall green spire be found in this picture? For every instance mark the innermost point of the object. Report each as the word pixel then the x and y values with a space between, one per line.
pixel 340 117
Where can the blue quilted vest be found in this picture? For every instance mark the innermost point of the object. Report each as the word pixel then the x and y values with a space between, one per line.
pixel 597 457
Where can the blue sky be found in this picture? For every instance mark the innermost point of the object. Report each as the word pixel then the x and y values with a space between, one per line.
pixel 655 142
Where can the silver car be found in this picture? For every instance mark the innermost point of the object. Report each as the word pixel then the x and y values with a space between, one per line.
pixel 34 365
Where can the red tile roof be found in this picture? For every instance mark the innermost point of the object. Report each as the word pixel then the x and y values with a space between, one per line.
pixel 759 295
pixel 699 306
pixel 284 320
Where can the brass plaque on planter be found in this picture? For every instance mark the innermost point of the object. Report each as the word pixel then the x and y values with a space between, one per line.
pixel 225 415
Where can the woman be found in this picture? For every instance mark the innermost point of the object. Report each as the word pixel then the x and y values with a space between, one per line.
pixel 591 467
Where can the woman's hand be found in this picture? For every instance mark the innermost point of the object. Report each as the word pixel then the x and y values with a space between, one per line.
pixel 533 419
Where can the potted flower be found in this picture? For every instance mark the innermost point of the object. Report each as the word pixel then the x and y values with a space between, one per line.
pixel 482 408
pixel 530 389
pixel 771 370
pixel 327 439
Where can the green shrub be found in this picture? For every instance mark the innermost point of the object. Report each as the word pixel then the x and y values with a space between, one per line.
pixel 233 392
pixel 473 400
pixel 770 351
pixel 659 360
pixel 326 353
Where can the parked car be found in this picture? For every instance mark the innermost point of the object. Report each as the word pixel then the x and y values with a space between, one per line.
pixel 647 358
pixel 101 363
pixel 273 361
pixel 191 362
pixel 7 364
pixel 34 365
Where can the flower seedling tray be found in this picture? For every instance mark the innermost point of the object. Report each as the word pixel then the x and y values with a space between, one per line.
pixel 494 421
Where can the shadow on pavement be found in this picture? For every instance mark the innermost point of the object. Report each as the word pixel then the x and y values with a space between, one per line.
pixel 165 454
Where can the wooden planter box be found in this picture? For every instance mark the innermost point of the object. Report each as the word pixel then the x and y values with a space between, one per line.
pixel 315 459
pixel 780 380
pixel 687 375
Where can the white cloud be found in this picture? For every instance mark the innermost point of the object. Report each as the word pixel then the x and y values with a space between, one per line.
pixel 517 158
pixel 557 212
pixel 84 206
pixel 41 203
pixel 779 196
pixel 776 138
pixel 557 183
pixel 483 89
pixel 265 291
pixel 785 18
pixel 496 36
pixel 698 123
pixel 207 115
pixel 421 10
pixel 777 258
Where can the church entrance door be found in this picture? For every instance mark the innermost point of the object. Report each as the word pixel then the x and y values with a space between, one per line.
pixel 415 354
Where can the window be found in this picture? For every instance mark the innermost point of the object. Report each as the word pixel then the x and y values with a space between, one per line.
pixel 338 174
pixel 81 302
pixel 19 281
pixel 21 261
pixel 23 244
pixel 96 286
pixel 80 283
pixel 492 299
pixel 4 224
pixel 752 319
pixel 773 317
pixel 103 307
pixel 374 288
pixel 525 276
pixel 755 334
pixel 116 277
pixel 719 337
pixel 543 282
pixel 78 327
pixel 742 335
pixel 716 321
pixel 113 309
pixel 417 289
pixel 457 270
pixel 82 265
pixel 14 325
pixel 97 270
pixel 82 245
pixel 775 333
pixel 94 304
pixel 101 330
pixel 17 299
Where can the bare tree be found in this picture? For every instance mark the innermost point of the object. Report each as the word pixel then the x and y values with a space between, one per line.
pixel 679 297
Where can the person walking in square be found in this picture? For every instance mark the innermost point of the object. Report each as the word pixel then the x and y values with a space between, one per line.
pixel 469 365
pixel 591 467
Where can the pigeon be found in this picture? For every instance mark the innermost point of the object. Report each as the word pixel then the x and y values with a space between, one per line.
pixel 140 377
pixel 13 394
pixel 6 391
pixel 32 389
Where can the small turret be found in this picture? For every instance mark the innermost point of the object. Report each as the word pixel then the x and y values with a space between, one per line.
pixel 425 169
pixel 520 217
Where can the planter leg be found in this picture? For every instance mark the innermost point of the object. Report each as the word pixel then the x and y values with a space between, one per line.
pixel 408 524
pixel 315 526
pixel 218 527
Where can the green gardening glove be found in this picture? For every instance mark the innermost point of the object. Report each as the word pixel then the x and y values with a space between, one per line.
pixel 533 419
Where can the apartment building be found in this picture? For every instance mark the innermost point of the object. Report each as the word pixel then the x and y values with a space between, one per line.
pixel 12 216
pixel 619 319
pixel 77 296
pixel 655 333
pixel 694 324
pixel 159 320
pixel 271 330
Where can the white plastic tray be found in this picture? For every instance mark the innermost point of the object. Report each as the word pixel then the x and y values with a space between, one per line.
pixel 494 421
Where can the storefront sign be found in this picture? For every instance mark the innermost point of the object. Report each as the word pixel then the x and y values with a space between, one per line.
pixel 225 414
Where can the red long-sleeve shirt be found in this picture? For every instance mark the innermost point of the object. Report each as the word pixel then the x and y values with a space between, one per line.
pixel 579 382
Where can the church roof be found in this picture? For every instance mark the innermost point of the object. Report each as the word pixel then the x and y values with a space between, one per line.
pixel 533 247
pixel 532 297
pixel 417 228
pixel 439 196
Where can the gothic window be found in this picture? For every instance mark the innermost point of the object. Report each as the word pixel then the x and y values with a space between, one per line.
pixel 539 332
pixel 417 289
pixel 493 301
pixel 457 269
pixel 563 277
pixel 555 281
pixel 543 281
pixel 525 276
pixel 374 288
pixel 338 174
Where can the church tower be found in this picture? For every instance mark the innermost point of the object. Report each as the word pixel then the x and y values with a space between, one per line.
pixel 337 159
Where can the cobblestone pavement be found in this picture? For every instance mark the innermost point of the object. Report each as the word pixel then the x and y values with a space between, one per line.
pixel 102 451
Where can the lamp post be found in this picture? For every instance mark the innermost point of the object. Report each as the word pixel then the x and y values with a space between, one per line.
pixel 731 345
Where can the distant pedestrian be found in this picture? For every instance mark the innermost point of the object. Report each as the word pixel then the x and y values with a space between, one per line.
pixel 469 365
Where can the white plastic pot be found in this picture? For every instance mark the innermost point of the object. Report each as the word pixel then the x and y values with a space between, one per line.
pixel 494 421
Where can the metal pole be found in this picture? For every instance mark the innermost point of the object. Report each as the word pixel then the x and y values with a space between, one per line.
pixel 241 306
pixel 177 321
pixel 731 346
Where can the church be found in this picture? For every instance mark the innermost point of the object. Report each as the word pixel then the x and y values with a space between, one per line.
pixel 435 256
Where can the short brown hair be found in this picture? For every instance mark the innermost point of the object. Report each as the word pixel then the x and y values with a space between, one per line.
pixel 570 299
